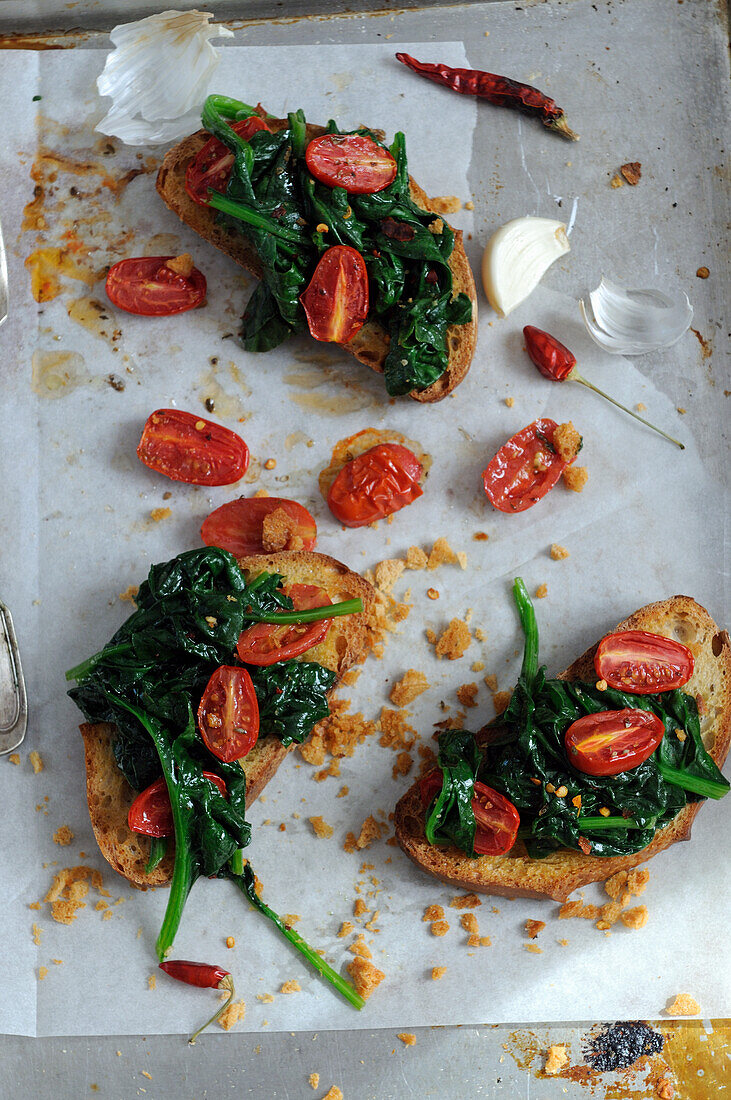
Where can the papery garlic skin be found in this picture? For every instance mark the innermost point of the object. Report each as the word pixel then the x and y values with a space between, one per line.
pixel 634 322
pixel 517 257
pixel 158 76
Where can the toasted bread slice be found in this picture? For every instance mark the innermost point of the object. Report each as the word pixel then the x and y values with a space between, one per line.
pixel 109 794
pixel 516 874
pixel 370 345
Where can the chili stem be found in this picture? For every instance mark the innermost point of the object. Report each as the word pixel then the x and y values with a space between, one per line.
pixel 575 377
pixel 530 629
pixel 312 614
pixel 228 985
pixel 246 883
pixel 707 788
pixel 259 221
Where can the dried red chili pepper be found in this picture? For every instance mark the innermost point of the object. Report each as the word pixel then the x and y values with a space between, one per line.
pixel 556 362
pixel 206 977
pixel 500 90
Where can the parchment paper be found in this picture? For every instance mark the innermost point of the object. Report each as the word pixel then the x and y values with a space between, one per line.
pixel 76 509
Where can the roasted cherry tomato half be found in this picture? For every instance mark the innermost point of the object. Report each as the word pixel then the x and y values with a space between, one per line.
pixel 187 448
pixel 643 663
pixel 211 168
pixel 151 813
pixel 266 643
pixel 375 484
pixel 612 741
pixel 336 300
pixel 353 161
pixel 228 714
pixel 256 525
pixel 524 469
pixel 148 286
pixel 496 816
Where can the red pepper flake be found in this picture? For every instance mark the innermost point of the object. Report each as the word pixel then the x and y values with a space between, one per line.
pixel 397 231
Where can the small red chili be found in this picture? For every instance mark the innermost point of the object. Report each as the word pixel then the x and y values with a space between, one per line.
pixel 556 362
pixel 206 977
pixel 500 90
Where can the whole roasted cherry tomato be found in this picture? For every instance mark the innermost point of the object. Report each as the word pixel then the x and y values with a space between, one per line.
pixel 353 161
pixel 211 168
pixel 643 663
pixel 375 484
pixel 151 813
pixel 266 643
pixel 496 816
pixel 187 448
pixel 148 286
pixel 336 300
pixel 612 741
pixel 254 525
pixel 228 714
pixel 524 469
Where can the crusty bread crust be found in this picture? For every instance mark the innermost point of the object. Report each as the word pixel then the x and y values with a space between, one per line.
pixel 559 874
pixel 370 345
pixel 109 794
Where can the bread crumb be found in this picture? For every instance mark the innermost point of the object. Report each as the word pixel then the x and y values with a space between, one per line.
pixel 566 441
pixel 42 972
pixel 396 733
pixel 230 941
pixel 465 901
pixel 616 181
pixel 278 532
pixel 359 908
pixel 351 676
pixel 67 890
pixel 14 758
pixel 313 1080
pixel 665 1089
pixel 36 761
pixel 345 929
pixel 152 981
pixel 432 593
pixel 407 1038
pixel 454 641
pixel 443 554
pixel 439 928
pixel 541 592
pixel 333 769
pixel 438 972
pixel 388 572
pixel 412 684
pixel 366 977
pixel 231 1015
pixel 533 948
pixel 63 836
pixel 433 912
pixel 181 265
pixel 342 792
pixel 683 1005
pixel 466 693
pixel 333 1093
pixel 641 406
pixel 34 905
pixel 292 986
pixel 564 943
pixel 360 948
pixel 510 401
pixel 635 918
pixel 558 553
pixel 556 1059
pixel 575 478
pixel 265 998
pixel 485 941
pixel 577 908
pixel 533 927
pixel 444 204
pixel 491 682
pixel 637 881
pixel 632 172
pixel 469 923
pixel 339 734
pixel 158 514
pixel 321 827
pixel 500 700
pixel 37 932
pixel 370 831
pixel 416 558
pixel 129 594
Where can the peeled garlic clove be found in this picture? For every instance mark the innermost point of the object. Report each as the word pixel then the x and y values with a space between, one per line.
pixel 158 76
pixel 516 258
pixel 633 322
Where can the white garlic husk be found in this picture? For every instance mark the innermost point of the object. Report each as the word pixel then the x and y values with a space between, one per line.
pixel 517 257
pixel 633 322
pixel 158 76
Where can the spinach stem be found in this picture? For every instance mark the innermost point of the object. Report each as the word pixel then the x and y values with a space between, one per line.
pixel 707 788
pixel 313 614
pixel 530 629
pixel 259 221
pixel 246 883
pixel 594 824
pixel 158 849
